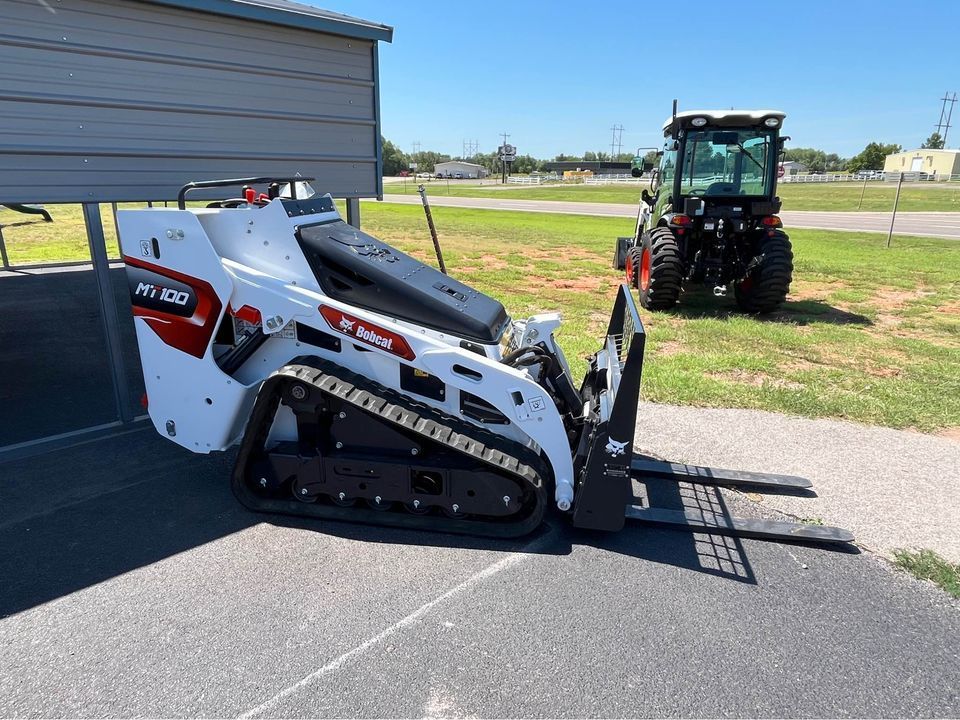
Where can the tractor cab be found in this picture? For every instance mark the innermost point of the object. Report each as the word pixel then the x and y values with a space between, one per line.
pixel 719 164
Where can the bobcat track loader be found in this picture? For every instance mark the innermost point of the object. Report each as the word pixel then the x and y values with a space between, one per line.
pixel 363 385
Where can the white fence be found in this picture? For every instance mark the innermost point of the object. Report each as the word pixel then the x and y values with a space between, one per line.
pixel 528 179
pixel 615 180
pixel 630 180
pixel 889 177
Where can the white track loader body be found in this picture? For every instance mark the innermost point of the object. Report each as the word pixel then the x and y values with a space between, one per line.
pixel 238 260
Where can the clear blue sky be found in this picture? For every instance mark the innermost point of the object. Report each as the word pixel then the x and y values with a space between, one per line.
pixel 558 75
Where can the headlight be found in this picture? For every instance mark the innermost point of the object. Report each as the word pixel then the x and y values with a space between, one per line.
pixel 698 122
pixel 771 122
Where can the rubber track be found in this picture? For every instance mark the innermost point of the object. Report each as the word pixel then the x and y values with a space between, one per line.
pixel 503 454
pixel 771 277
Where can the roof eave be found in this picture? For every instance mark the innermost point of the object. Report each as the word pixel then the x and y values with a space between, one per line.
pixel 275 16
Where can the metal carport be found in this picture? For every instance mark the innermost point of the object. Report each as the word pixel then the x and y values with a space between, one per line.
pixel 108 101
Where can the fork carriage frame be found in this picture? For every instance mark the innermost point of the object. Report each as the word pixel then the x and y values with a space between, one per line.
pixel 606 464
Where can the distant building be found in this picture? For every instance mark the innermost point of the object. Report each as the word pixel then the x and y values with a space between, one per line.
pixel 598 167
pixel 793 167
pixel 939 163
pixel 460 168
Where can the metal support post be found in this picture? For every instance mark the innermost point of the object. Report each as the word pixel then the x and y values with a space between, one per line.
pixel 353 212
pixel 108 309
pixel 862 191
pixel 893 217
pixel 3 252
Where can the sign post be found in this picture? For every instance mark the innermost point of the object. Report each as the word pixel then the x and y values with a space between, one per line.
pixel 507 153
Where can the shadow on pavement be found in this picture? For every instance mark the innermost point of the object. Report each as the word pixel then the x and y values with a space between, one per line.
pixel 79 516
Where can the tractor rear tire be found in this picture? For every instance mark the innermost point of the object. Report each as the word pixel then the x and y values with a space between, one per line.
pixel 632 267
pixel 765 287
pixel 660 271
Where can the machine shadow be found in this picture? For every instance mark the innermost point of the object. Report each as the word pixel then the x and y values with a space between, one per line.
pixel 80 516
pixel 698 303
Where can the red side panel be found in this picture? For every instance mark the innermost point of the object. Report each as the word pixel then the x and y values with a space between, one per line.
pixel 182 310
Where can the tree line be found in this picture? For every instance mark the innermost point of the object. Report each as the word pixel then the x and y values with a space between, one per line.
pixel 815 160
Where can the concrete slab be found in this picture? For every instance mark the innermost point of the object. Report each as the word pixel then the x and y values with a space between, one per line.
pixel 892 488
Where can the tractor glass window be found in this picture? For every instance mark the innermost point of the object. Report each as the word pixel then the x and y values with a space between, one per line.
pixel 727 162
pixel 668 167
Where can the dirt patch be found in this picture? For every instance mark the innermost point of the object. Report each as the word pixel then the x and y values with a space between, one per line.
pixel 567 253
pixel 800 290
pixel 951 308
pixel 951 433
pixel 755 379
pixel 894 298
pixel 798 365
pixel 490 262
pixel 669 347
pixel 585 284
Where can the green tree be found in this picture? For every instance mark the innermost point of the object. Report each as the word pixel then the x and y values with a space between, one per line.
pixel 525 164
pixel 934 142
pixel 872 157
pixel 394 159
pixel 589 156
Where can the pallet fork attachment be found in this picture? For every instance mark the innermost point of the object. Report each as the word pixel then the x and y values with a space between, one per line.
pixel 606 465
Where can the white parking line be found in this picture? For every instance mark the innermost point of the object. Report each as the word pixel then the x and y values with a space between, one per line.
pixel 504 564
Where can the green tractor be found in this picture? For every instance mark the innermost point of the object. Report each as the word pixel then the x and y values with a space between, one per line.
pixel 710 216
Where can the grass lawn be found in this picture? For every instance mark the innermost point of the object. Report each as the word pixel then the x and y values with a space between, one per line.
pixel 868 334
pixel 879 196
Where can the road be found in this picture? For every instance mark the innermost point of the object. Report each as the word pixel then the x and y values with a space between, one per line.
pixel 133 584
pixel 922 224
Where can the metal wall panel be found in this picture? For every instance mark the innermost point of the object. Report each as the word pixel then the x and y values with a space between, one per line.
pixel 115 100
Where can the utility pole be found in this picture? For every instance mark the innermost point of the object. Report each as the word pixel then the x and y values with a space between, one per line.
pixel 416 147
pixel 944 127
pixel 616 141
pixel 503 163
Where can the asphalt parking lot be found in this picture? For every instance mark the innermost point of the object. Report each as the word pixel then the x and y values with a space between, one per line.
pixel 134 584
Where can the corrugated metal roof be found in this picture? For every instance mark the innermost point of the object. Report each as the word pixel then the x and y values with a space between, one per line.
pixel 289 13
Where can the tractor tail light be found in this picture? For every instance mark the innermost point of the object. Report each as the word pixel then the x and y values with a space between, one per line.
pixel 681 220
pixel 771 221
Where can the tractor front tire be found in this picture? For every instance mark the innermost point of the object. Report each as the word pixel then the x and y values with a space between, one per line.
pixel 765 287
pixel 659 275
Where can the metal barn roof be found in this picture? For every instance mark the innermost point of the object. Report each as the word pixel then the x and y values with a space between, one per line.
pixel 289 13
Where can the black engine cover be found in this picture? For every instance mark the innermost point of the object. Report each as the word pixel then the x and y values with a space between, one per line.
pixel 358 269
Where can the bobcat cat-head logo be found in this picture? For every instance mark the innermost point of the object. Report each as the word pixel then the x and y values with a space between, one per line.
pixel 346 325
pixel 614 448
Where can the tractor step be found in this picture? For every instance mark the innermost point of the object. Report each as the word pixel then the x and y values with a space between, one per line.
pixel 642 467
pixel 701 521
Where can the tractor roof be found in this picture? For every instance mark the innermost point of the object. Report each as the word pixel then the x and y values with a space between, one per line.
pixel 720 118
